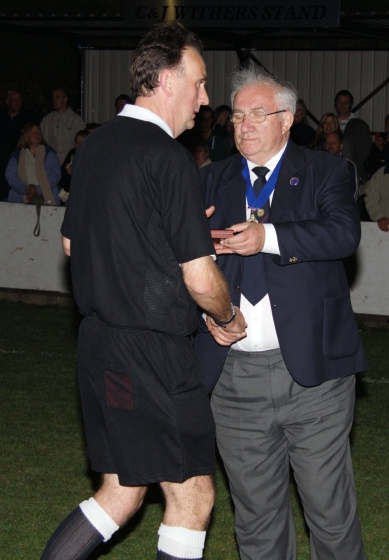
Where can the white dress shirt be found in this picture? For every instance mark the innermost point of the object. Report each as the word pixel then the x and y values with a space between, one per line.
pixel 261 332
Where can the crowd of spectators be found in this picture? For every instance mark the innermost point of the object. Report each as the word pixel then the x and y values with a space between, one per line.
pixel 343 134
pixel 36 153
pixel 56 137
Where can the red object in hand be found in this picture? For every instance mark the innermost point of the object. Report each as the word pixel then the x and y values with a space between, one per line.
pixel 219 234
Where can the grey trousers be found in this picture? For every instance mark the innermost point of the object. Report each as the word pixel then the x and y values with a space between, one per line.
pixel 267 423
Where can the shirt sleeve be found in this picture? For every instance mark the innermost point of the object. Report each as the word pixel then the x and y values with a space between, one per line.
pixel 185 224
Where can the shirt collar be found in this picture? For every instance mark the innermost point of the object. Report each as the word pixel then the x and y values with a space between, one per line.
pixel 271 164
pixel 143 114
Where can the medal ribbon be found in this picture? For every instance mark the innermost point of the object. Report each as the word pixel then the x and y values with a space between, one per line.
pixel 256 202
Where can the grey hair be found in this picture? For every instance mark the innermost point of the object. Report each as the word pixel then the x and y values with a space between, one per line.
pixel 285 93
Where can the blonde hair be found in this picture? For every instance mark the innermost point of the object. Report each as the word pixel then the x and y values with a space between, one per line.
pixel 320 134
pixel 23 142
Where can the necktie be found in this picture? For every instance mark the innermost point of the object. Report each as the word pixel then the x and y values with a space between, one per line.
pixel 260 182
pixel 253 279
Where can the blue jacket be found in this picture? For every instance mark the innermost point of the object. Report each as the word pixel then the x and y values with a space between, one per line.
pixel 317 225
pixel 18 188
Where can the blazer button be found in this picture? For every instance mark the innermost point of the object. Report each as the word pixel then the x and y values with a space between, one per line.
pixel 237 287
pixel 293 259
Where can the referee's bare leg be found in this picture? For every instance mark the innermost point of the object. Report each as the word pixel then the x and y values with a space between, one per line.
pixel 181 534
pixel 187 513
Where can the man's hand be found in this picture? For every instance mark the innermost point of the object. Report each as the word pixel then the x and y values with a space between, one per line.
pixel 209 211
pixel 234 331
pixel 383 224
pixel 222 117
pixel 66 245
pixel 379 142
pixel 249 239
pixel 31 191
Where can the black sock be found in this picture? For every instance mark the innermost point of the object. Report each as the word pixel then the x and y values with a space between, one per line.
pixel 165 556
pixel 74 539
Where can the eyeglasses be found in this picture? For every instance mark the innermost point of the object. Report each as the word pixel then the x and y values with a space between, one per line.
pixel 255 116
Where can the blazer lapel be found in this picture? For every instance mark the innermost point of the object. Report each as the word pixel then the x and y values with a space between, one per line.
pixel 290 181
pixel 234 201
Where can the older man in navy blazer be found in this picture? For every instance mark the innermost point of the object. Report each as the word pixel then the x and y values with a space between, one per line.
pixel 284 395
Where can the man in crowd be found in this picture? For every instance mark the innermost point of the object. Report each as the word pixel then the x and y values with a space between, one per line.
pixel 200 152
pixel 120 101
pixel 285 395
pixel 379 150
pixel 140 245
pixel 60 127
pixel 301 133
pixel 356 132
pixel 13 117
pixel 377 197
pixel 334 145
pixel 344 102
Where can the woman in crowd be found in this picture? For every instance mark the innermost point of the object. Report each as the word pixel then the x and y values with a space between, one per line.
pixel 328 123
pixel 66 168
pixel 379 151
pixel 33 169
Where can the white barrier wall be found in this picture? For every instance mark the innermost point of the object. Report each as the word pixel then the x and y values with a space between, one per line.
pixel 370 287
pixel 38 263
pixel 28 262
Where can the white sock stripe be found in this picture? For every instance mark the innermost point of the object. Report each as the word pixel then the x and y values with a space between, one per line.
pixel 192 539
pixel 99 518
pixel 178 550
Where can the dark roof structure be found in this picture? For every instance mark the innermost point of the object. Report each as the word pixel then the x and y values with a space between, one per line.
pixel 118 24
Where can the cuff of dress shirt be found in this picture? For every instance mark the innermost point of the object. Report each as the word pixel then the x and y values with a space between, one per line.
pixel 271 240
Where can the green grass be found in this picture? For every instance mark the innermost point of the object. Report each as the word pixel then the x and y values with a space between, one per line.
pixel 44 473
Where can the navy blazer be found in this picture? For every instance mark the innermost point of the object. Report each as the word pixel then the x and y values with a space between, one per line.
pixel 317 225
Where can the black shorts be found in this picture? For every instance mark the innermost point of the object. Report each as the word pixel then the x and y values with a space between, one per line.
pixel 146 412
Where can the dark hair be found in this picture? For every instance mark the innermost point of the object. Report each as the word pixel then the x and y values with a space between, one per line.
pixel 160 49
pixel 302 103
pixel 91 126
pixel 205 109
pixel 338 133
pixel 123 97
pixel 82 133
pixel 200 144
pixel 221 109
pixel 345 92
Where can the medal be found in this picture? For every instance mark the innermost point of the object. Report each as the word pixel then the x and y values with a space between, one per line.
pixel 256 213
pixel 258 205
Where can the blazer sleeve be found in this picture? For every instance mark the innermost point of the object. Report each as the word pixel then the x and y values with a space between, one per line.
pixel 322 222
